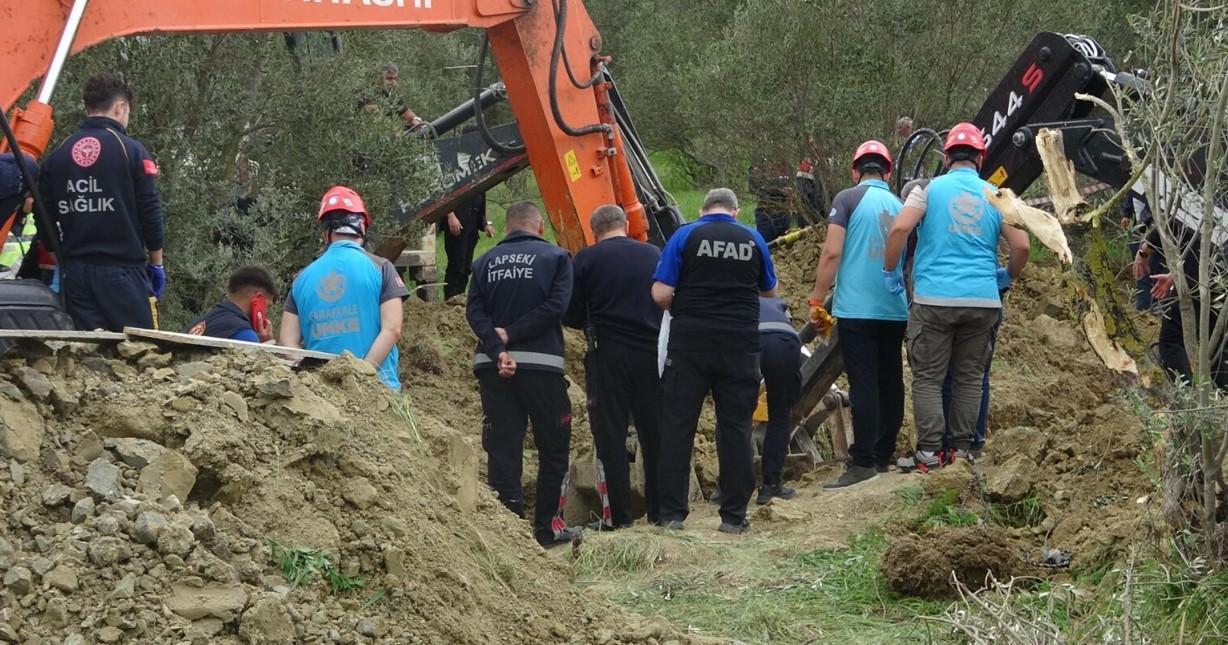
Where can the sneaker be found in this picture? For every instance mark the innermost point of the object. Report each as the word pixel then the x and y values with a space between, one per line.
pixel 674 525
pixel 766 493
pixel 566 535
pixel 851 476
pixel 735 529
pixel 922 461
pixel 969 456
pixel 883 467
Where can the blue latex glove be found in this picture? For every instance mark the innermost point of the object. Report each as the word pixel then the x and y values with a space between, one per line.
pixel 55 280
pixel 1004 279
pixel 894 281
pixel 157 279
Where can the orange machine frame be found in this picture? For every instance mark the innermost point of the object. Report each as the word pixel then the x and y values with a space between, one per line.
pixel 574 174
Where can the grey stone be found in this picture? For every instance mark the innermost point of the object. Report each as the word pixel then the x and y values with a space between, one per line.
pixel 83 510
pixel 9 635
pixel 63 578
pixel 128 506
pixel 148 525
pixel 236 403
pixel 21 429
pixel 278 388
pixel 219 601
pixel 359 492
pixel 154 359
pixel 109 634
pixel 203 528
pixel 56 613
pixel 135 452
pixel 366 627
pixel 125 588
pixel 17 472
pixel 8 555
pixel 41 565
pixel 172 504
pixel 168 474
pixel 175 539
pixel 55 495
pixel 88 448
pixel 134 349
pixel 108 524
pixel 35 382
pixel 106 551
pixel 19 580
pixel 75 639
pixel 193 369
pixel 103 479
pixel 266 621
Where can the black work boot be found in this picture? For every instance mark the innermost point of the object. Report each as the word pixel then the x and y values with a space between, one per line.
pixel 851 476
pixel 735 529
pixel 766 493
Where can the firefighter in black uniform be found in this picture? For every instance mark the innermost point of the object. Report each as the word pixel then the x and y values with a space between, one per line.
pixel 781 363
pixel 100 187
pixel 710 276
pixel 519 293
pixel 612 302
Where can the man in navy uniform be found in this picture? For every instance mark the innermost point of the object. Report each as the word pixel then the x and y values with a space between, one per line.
pixel 780 360
pixel 100 186
pixel 612 302
pixel 711 275
pixel 231 318
pixel 517 297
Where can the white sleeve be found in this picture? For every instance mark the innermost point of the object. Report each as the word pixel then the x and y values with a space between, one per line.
pixel 917 198
pixel 663 342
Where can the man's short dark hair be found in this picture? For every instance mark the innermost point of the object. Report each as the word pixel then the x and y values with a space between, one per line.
pixel 523 215
pixel 872 164
pixel 103 90
pixel 964 153
pixel 252 277
pixel 607 218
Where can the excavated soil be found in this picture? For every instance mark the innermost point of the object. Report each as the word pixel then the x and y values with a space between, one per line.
pixel 146 493
pixel 923 565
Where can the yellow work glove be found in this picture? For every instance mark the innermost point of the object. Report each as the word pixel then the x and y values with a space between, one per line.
pixel 822 321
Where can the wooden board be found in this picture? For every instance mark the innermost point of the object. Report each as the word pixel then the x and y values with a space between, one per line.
pixel 64 335
pixel 175 338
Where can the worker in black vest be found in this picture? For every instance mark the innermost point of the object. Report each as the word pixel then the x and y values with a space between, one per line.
pixel 519 293
pixel 464 226
pixel 781 363
pixel 100 187
pixel 710 276
pixel 612 302
pixel 232 317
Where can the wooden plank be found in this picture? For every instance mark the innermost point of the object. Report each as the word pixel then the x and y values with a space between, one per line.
pixel 412 259
pixel 64 335
pixel 175 338
pixel 819 372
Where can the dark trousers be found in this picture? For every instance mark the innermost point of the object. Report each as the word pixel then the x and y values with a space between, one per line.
pixel 1142 286
pixel 875 369
pixel 733 380
pixel 1171 346
pixel 508 404
pixel 459 250
pixel 107 297
pixel 781 362
pixel 978 435
pixel 622 382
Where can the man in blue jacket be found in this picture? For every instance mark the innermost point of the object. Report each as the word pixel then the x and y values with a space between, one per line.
pixel 100 185
pixel 517 297
pixel 347 300
pixel 231 318
pixel 780 360
pixel 711 275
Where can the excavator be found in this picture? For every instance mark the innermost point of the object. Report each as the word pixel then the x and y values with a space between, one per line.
pixel 571 128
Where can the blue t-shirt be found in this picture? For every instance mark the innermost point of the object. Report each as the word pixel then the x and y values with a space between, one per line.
pixel 956 262
pixel 337 299
pixel 866 212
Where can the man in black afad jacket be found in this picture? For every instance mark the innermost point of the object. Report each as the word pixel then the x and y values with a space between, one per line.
pixel 100 186
pixel 517 297
pixel 612 303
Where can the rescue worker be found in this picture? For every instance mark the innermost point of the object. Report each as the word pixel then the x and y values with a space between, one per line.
pixel 347 300
pixel 460 238
pixel 100 185
pixel 780 360
pixel 612 302
pixel 871 320
pixel 517 298
pixel 20 241
pixel 710 275
pixel 772 189
pixel 232 317
pixel 13 189
pixel 387 99
pixel 955 292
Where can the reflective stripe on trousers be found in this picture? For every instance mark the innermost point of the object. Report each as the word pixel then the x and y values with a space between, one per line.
pixel 526 358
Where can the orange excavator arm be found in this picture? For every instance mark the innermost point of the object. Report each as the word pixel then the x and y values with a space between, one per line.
pixel 574 144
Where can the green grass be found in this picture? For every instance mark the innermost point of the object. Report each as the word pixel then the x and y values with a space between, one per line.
pixel 300 566
pixel 740 590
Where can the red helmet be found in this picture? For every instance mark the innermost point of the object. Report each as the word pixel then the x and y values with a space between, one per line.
pixel 873 147
pixel 340 198
pixel 965 134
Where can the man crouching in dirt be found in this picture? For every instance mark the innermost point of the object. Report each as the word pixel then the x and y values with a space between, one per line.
pixel 711 275
pixel 348 300
pixel 517 297
pixel 956 286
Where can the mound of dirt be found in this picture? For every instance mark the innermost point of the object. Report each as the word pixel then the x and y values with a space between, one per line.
pixel 153 496
pixel 922 564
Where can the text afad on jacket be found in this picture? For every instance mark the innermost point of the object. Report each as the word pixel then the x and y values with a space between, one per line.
pixel 744 251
